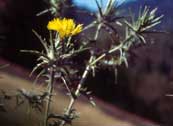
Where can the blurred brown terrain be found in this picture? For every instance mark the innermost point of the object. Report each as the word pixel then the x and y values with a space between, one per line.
pixel 103 114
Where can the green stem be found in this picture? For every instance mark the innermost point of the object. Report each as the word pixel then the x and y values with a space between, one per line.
pixel 109 6
pixel 50 90
pixel 98 31
pixel 112 50
pixel 77 92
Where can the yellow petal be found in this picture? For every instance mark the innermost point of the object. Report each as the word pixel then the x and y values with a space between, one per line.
pixel 77 30
pixel 64 27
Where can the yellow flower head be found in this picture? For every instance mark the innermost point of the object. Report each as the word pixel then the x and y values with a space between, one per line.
pixel 65 27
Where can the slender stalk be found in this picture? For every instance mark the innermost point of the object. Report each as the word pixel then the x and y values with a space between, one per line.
pixel 84 77
pixel 66 85
pixel 77 92
pixel 50 90
pixel 112 50
pixel 109 6
pixel 98 31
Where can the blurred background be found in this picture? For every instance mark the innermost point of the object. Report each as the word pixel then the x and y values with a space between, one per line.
pixel 140 89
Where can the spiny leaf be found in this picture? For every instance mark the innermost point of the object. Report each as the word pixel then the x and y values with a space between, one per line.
pixel 142 39
pixel 35 52
pixel 157 19
pixel 90 25
pixel 109 6
pixel 39 65
pixel 99 8
pixel 129 25
pixel 43 42
pixel 39 75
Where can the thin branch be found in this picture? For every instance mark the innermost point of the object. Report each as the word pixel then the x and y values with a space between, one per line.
pixel 67 87
pixel 77 92
pixel 43 42
pixel 35 52
pixel 50 90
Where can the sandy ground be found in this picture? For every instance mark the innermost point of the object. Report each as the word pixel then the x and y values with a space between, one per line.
pixel 102 115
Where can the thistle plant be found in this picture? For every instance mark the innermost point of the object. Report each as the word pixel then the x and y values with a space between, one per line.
pixel 104 18
pixel 57 54
pixel 58 64
pixel 134 33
